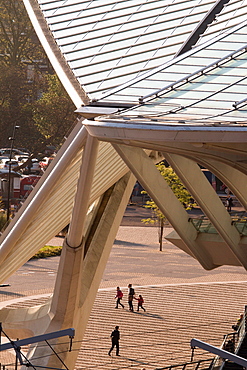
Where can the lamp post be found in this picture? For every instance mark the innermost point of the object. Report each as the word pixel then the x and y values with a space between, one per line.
pixel 12 138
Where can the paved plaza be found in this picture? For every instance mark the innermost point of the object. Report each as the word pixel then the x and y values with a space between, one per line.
pixel 182 302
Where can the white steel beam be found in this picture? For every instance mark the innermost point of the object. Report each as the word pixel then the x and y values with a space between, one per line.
pixel 42 192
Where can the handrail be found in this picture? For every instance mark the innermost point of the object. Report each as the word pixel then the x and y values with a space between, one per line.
pixel 20 357
pixel 238 336
pixel 218 351
pixel 184 365
pixel 203 224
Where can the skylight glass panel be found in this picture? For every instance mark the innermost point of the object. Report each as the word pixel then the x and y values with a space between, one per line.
pixel 135 35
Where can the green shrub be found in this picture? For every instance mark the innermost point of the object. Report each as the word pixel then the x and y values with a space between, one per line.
pixel 48 251
pixel 3 219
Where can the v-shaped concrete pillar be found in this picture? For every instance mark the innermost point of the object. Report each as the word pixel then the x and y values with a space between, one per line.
pixel 81 270
pixel 156 186
pixel 204 194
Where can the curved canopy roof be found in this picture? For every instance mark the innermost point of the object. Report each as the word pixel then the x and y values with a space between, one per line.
pixel 205 85
pixel 107 43
pixel 120 51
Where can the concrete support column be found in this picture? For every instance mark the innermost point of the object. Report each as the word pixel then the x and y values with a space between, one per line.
pixel 75 233
pixel 156 186
pixel 80 273
pixel 234 179
pixel 204 194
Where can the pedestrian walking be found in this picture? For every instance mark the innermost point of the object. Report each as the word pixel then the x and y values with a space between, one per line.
pixel 229 203
pixel 131 297
pixel 140 303
pixel 119 296
pixel 115 336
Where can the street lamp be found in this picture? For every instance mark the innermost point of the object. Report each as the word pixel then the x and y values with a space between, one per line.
pixel 12 138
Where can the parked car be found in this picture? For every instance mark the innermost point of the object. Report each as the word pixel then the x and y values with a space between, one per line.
pixel 24 150
pixel 44 163
pixel 7 151
pixel 3 158
pixel 6 163
pixel 36 168
pixel 21 157
pixel 32 168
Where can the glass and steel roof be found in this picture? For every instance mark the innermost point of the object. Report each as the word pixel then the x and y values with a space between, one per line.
pixel 233 13
pixel 214 89
pixel 125 51
pixel 107 43
pixel 209 84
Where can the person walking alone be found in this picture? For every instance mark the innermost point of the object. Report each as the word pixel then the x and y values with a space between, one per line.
pixel 119 296
pixel 115 336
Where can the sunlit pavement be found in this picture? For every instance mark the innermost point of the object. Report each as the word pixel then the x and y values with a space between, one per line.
pixel 182 302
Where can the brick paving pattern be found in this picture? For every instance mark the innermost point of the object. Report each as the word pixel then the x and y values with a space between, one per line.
pixel 161 336
pixel 182 300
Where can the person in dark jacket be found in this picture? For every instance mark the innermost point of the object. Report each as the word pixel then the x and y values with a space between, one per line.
pixel 115 336
pixel 229 203
pixel 131 297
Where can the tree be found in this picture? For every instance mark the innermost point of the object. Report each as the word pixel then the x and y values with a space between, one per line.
pixel 18 42
pixel 178 189
pixel 21 59
pixel 53 113
pixel 23 81
pixel 14 94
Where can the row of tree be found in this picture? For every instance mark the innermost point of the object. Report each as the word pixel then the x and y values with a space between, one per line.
pixel 31 95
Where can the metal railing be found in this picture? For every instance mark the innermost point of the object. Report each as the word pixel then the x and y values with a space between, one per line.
pixel 203 225
pixel 193 365
pixel 236 337
pixel 22 360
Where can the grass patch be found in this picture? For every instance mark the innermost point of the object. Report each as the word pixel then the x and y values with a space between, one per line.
pixel 48 251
